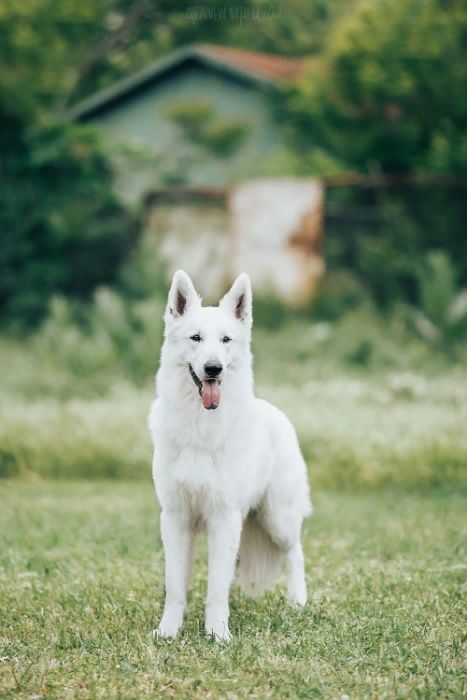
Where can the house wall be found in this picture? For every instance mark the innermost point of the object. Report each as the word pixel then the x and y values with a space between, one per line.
pixel 270 228
pixel 140 122
pixel 277 230
pixel 192 233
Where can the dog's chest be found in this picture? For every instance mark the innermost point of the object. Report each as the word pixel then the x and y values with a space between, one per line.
pixel 203 475
pixel 202 481
pixel 199 471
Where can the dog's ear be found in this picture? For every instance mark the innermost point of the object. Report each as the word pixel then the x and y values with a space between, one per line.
pixel 238 299
pixel 182 296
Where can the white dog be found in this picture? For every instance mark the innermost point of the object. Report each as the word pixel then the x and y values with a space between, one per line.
pixel 223 459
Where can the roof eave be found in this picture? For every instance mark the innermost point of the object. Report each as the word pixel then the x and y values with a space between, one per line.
pixel 123 88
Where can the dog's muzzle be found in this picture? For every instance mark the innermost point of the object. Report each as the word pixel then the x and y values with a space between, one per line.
pixel 196 379
pixel 208 388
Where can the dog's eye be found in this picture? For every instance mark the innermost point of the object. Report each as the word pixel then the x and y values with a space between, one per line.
pixel 226 339
pixel 196 337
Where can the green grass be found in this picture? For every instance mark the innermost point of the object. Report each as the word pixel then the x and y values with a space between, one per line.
pixel 381 419
pixel 71 407
pixel 81 587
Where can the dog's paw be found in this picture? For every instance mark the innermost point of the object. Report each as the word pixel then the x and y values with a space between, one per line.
pixel 297 603
pixel 166 632
pixel 297 598
pixel 220 634
pixel 170 625
pixel 296 592
pixel 217 624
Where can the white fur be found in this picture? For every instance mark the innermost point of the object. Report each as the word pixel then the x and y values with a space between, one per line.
pixel 236 471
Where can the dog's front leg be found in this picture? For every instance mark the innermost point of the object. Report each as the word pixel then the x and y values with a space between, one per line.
pixel 177 539
pixel 223 542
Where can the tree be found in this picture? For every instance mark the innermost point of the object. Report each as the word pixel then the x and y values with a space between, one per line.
pixel 55 53
pixel 390 89
pixel 61 226
pixel 62 229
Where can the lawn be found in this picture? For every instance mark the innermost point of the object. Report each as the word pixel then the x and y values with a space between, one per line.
pixel 381 420
pixel 372 405
pixel 81 587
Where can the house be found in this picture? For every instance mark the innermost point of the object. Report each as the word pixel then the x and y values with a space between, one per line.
pixel 201 117
pixel 194 133
pixel 271 228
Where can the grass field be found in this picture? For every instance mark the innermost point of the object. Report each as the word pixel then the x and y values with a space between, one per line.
pixel 82 587
pixel 381 419
pixel 373 406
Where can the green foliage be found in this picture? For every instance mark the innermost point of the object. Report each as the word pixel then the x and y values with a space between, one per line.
pixel 339 291
pixel 380 235
pixel 224 139
pixel 144 275
pixel 270 312
pixel 191 116
pixel 75 400
pixel 63 231
pixel 389 89
pixel 203 129
pixel 442 317
pixel 54 53
pixel 110 334
pixel 286 161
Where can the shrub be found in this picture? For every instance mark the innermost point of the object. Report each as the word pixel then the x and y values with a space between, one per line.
pixel 442 316
pixel 63 230
pixel 144 274
pixel 389 89
pixel 338 292
pixel 111 335
pixel 201 126
pixel 380 235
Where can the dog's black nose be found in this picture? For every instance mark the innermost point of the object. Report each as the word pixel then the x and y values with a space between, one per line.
pixel 212 369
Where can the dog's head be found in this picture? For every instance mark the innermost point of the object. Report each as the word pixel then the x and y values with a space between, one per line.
pixel 209 342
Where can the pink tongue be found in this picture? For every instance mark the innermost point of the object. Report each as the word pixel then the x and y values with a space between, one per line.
pixel 211 394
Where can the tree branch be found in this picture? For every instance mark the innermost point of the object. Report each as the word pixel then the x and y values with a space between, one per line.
pixel 109 43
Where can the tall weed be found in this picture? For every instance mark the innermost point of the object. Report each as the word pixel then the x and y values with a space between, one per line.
pixel 442 316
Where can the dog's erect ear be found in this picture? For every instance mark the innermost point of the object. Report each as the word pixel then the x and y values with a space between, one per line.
pixel 182 296
pixel 238 299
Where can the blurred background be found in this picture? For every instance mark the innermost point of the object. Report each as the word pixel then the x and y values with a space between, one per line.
pixel 319 145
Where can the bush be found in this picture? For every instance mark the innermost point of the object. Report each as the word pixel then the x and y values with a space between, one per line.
pixel 442 316
pixel 389 89
pixel 145 274
pixel 380 235
pixel 63 230
pixel 338 292
pixel 109 336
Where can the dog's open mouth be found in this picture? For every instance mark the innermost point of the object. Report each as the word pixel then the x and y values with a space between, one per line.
pixel 209 390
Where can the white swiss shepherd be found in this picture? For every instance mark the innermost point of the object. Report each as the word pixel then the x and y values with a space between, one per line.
pixel 223 460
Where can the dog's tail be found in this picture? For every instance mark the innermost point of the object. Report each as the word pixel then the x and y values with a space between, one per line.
pixel 260 559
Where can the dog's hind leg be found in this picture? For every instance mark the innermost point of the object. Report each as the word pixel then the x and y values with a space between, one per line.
pixel 296 586
pixel 284 527
pixel 281 515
